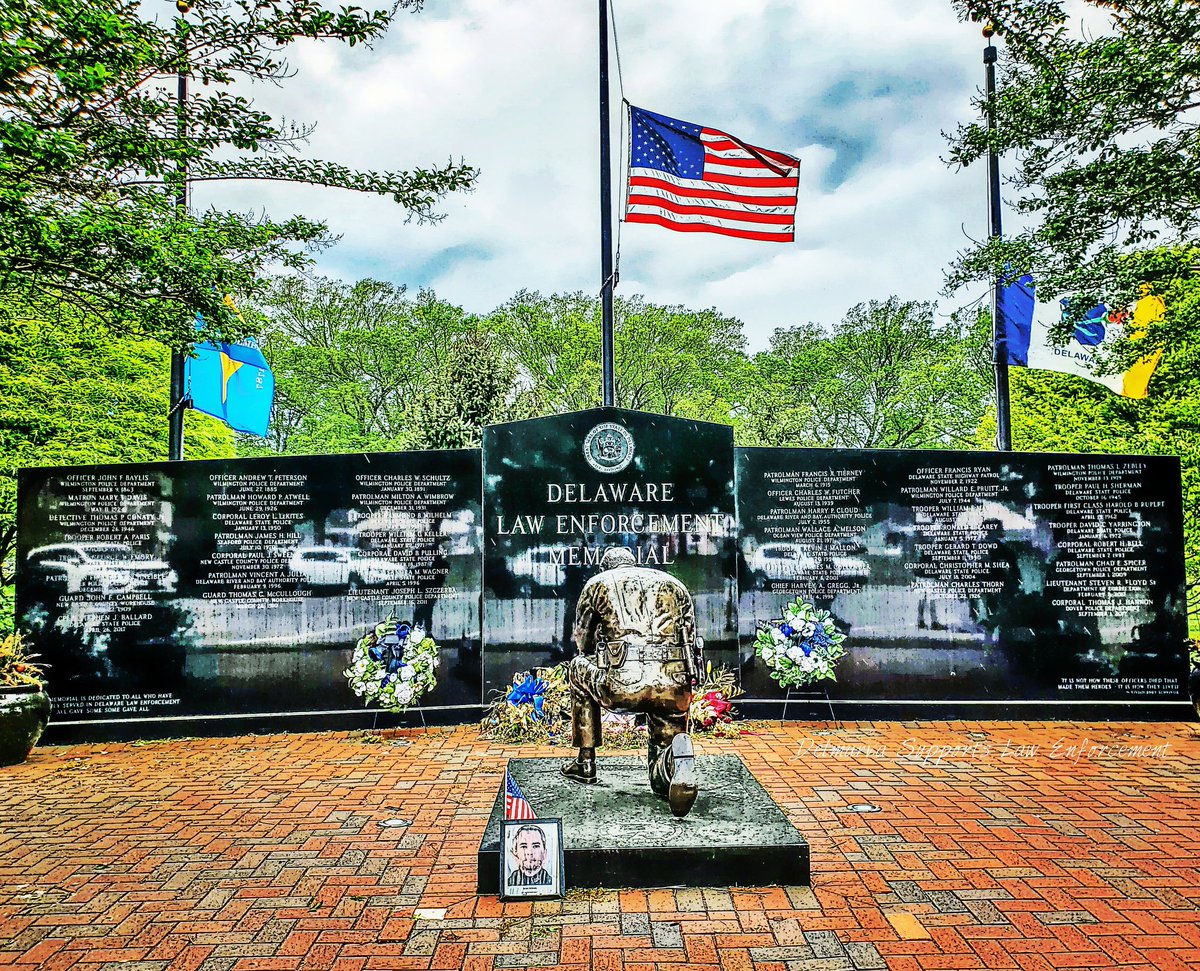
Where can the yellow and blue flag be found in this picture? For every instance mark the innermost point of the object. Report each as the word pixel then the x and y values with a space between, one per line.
pixel 1025 337
pixel 232 382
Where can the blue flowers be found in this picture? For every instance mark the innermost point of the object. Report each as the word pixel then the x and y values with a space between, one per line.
pixel 787 630
pixel 531 691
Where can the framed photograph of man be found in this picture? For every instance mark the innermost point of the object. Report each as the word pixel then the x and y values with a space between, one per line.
pixel 531 864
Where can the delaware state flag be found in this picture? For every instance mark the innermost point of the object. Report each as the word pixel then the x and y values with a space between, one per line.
pixel 1025 337
pixel 232 382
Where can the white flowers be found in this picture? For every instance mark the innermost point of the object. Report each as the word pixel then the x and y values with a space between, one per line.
pixel 393 666
pixel 802 647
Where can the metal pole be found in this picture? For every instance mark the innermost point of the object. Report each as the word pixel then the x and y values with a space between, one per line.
pixel 175 416
pixel 999 342
pixel 606 257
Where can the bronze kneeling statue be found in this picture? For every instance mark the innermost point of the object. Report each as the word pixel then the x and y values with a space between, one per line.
pixel 638 651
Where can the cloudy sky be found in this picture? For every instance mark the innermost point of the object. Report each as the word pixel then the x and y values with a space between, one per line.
pixel 861 92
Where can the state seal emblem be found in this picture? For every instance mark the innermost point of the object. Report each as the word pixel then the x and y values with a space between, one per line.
pixel 608 447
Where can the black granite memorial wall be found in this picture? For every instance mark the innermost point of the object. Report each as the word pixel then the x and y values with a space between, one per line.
pixel 971 575
pixel 238 588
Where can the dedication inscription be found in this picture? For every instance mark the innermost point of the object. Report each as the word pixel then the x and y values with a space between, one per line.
pixel 971 575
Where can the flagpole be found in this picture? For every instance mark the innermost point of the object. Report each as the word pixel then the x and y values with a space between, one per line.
pixel 606 257
pixel 999 344
pixel 175 416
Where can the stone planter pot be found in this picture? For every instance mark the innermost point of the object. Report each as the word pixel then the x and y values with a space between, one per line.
pixel 23 716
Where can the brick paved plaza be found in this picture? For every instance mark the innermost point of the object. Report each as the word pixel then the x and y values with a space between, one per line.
pixel 1038 845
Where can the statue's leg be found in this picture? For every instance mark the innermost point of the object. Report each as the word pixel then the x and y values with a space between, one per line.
pixel 672 761
pixel 585 679
pixel 662 727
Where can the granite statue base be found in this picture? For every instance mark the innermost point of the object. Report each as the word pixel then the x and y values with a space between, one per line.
pixel 617 833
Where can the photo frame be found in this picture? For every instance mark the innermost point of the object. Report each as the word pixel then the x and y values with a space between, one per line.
pixel 531 859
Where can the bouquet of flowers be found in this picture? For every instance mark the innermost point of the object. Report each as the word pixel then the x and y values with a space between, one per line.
pixel 712 702
pixel 535 708
pixel 802 647
pixel 393 665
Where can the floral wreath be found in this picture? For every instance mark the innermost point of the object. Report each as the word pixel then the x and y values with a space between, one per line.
pixel 802 647
pixel 393 665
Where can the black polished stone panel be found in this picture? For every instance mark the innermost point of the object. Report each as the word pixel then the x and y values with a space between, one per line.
pixel 617 833
pixel 971 576
pixel 549 515
pixel 239 587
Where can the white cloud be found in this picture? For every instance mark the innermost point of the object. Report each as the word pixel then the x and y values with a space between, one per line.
pixel 859 91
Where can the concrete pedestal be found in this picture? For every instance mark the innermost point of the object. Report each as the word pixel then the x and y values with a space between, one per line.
pixel 617 833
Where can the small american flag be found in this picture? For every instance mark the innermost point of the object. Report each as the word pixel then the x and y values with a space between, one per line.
pixel 516 806
pixel 699 180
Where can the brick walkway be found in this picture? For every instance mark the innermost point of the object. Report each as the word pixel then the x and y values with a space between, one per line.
pixel 1032 846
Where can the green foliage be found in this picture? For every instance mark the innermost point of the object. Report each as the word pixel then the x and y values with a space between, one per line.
pixel 18 667
pixel 1099 124
pixel 887 376
pixel 362 367
pixel 95 148
pixel 668 359
pixel 73 392
pixel 475 387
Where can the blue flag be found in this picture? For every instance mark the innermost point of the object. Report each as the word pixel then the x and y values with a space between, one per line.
pixel 232 382
pixel 1014 313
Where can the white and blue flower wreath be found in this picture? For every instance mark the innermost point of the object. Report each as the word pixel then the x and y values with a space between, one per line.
pixel 802 647
pixel 393 665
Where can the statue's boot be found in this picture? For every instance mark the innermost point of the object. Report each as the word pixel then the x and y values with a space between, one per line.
pixel 580 769
pixel 682 793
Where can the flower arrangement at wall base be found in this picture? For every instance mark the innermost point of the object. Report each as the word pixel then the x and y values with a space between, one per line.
pixel 802 647
pixel 534 710
pixel 711 711
pixel 24 704
pixel 393 666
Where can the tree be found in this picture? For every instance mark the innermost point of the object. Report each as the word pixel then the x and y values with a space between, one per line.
pixel 73 392
pixel 886 377
pixel 1099 125
pixel 669 360
pixel 475 387
pixel 95 151
pixel 363 367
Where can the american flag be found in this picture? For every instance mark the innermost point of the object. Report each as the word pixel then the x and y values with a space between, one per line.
pixel 699 180
pixel 516 806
